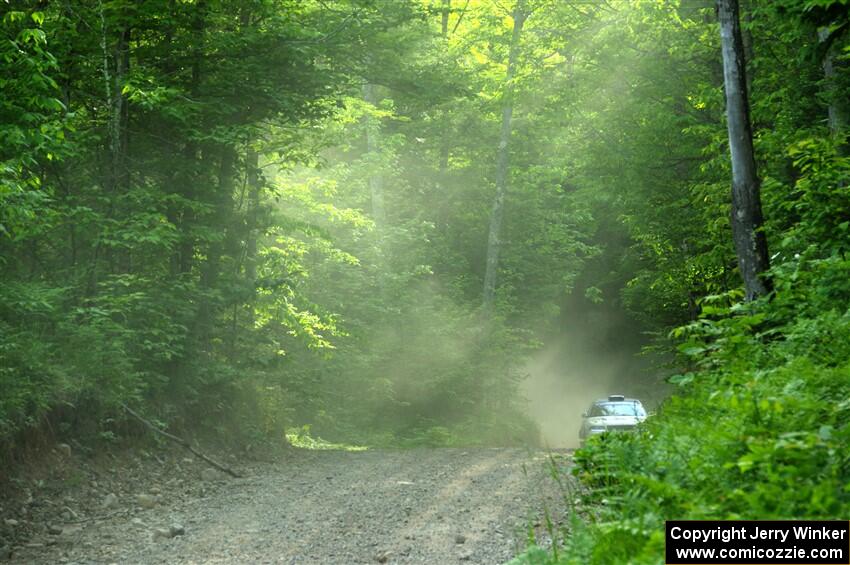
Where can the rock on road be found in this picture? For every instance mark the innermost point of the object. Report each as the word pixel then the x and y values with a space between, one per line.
pixel 421 506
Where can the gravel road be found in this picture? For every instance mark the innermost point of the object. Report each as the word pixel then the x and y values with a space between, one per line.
pixel 423 506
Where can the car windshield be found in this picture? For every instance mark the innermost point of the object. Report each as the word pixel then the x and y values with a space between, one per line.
pixel 617 409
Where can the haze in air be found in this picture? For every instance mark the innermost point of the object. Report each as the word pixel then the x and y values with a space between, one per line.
pixel 417 239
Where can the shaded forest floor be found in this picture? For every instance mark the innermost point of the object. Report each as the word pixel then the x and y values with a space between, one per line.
pixel 409 506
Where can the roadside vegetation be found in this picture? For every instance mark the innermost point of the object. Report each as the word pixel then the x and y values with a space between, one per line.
pixel 757 430
pixel 757 425
pixel 360 221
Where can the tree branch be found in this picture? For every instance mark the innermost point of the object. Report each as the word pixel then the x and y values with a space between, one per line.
pixel 182 442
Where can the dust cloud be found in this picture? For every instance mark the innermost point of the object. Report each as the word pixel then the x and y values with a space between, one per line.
pixel 564 378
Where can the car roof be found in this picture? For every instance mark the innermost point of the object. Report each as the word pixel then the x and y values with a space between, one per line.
pixel 618 401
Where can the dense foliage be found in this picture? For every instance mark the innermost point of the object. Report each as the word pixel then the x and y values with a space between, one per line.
pixel 246 215
pixel 770 376
pixel 249 215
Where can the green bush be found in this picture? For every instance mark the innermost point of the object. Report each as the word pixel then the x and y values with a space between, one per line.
pixel 759 433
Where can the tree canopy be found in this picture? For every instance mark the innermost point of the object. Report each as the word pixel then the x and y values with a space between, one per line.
pixel 365 217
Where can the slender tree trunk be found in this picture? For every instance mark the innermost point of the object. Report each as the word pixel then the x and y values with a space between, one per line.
pixel 115 69
pixel 177 177
pixel 221 200
pixel 747 40
pixel 376 180
pixel 92 277
pixel 747 221
pixel 186 184
pixel 115 65
pixel 837 108
pixel 444 158
pixel 104 64
pixel 252 164
pixel 495 232
pixel 119 134
pixel 444 137
pixel 192 150
pixel 65 81
pixel 245 254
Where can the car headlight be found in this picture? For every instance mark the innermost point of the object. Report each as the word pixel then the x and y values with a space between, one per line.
pixel 597 428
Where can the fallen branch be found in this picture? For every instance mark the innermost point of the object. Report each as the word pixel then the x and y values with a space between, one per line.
pixel 182 442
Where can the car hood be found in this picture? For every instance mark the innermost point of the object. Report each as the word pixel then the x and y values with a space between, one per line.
pixel 614 421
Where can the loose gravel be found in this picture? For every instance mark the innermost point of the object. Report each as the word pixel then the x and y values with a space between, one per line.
pixel 420 506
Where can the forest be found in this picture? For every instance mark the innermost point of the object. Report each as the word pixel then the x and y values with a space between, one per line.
pixel 378 222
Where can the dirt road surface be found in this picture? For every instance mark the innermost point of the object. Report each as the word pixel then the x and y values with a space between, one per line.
pixel 421 506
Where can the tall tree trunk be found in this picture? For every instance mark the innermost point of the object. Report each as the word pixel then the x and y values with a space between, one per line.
pixel 444 137
pixel 119 130
pixel 747 220
pixel 189 185
pixel 837 108
pixel 115 68
pixel 192 149
pixel 115 65
pixel 376 180
pixel 221 201
pixel 252 165
pixel 494 235
pixel 747 40
pixel 244 249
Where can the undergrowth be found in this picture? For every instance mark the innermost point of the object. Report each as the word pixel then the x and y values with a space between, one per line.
pixel 757 430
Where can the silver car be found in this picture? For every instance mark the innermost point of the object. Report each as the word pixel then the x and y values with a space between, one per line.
pixel 615 413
